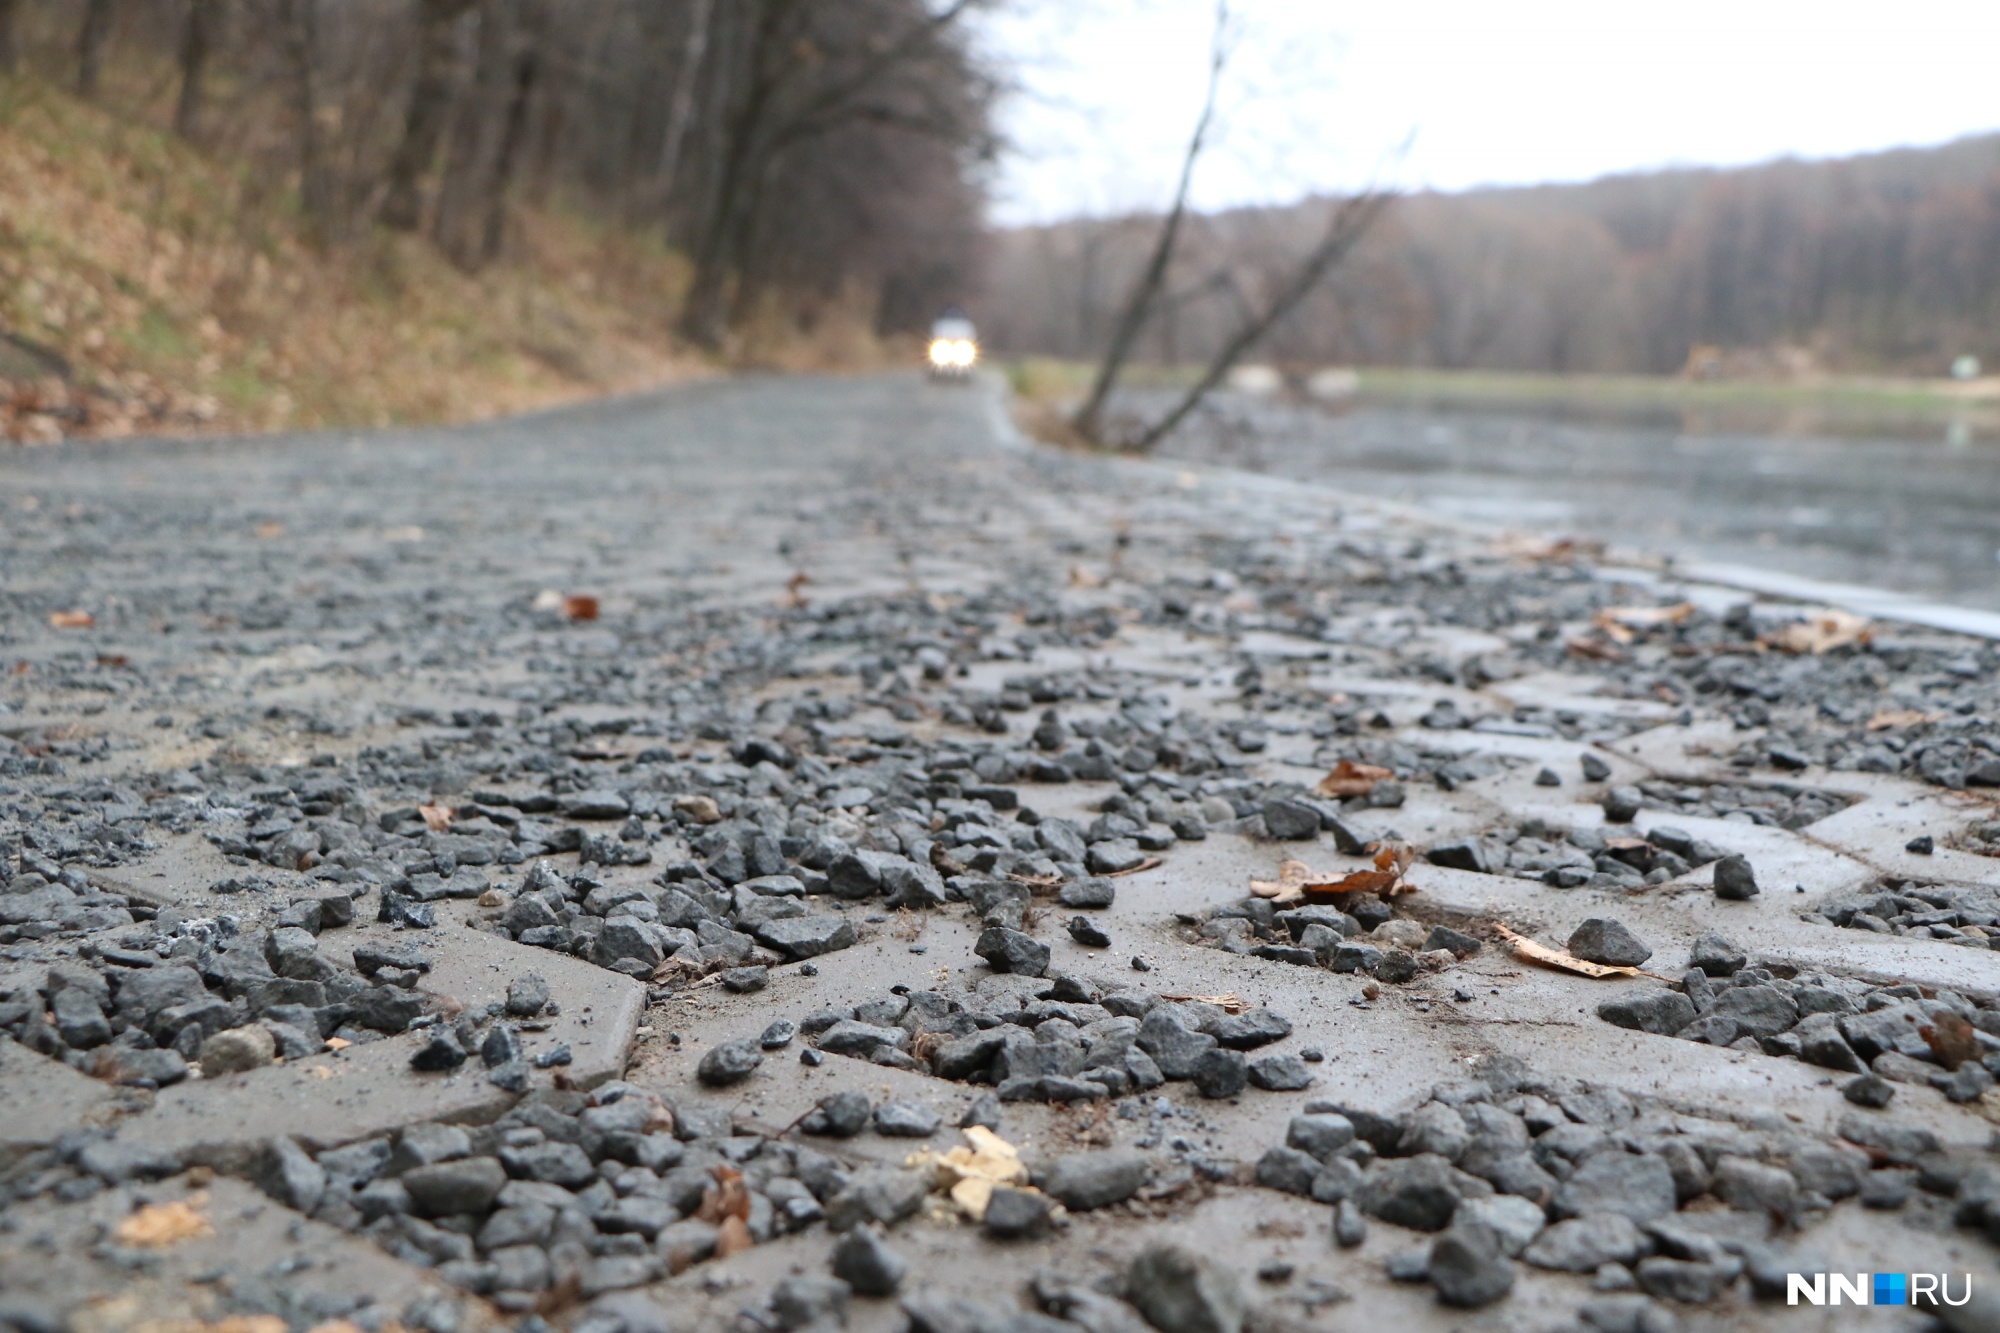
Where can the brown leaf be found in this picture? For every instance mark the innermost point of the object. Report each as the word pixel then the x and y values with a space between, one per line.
pixel 270 530
pixel 1595 649
pixel 1530 951
pixel 1889 718
pixel 1951 1038
pixel 580 606
pixel 1228 1000
pixel 71 620
pixel 727 1197
pixel 793 597
pixel 1361 881
pixel 1351 779
pixel 1820 632
pixel 942 863
pixel 159 1225
pixel 437 818
pixel 732 1237
pixel 1621 622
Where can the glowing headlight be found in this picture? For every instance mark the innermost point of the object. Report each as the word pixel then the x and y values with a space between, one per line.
pixel 953 352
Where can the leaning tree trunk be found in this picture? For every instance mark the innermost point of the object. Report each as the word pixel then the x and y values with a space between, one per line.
pixel 90 43
pixel 476 134
pixel 197 40
pixel 430 107
pixel 316 193
pixel 10 58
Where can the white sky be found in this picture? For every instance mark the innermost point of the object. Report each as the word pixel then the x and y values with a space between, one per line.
pixel 1322 93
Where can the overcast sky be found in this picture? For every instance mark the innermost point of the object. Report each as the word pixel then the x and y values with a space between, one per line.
pixel 1322 94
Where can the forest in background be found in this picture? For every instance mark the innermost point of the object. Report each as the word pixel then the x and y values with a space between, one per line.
pixel 1885 263
pixel 266 212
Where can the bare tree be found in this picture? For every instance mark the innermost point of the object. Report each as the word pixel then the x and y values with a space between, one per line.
pixel 1089 419
pixel 795 93
pixel 1349 223
pixel 429 110
pixel 680 112
pixel 301 43
pixel 10 58
pixel 91 39
pixel 197 41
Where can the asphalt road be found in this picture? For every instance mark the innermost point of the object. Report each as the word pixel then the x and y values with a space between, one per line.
pixel 806 695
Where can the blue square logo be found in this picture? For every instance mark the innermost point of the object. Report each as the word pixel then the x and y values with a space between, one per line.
pixel 1892 1289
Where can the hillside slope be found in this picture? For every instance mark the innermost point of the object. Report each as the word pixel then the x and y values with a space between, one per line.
pixel 147 288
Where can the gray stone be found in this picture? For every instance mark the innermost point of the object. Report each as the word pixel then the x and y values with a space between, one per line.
pixel 1113 856
pixel 237 1049
pixel 877 1194
pixel 802 937
pixel 1322 1133
pixel 730 1062
pixel 1289 1170
pixel 1688 1282
pixel 1280 1073
pixel 1350 1224
pixel 116 1161
pixel 1250 1029
pixel 1870 1090
pixel 1514 1220
pixel 806 1300
pixel 292 1177
pixel 463 1185
pixel 1182 1291
pixel 1091 892
pixel 1757 1011
pixel 1608 941
pixel 1583 1244
pixel 1011 951
pixel 839 1115
pixel 1638 1185
pixel 1662 1012
pixel 1220 1073
pixel 1621 804
pixel 866 1264
pixel 1469 1267
pixel 1420 1193
pixel 852 1037
pixel 1734 879
pixel 1435 1128
pixel 1715 955
pixel 1086 1180
pixel 1012 1214
pixel 1289 820
pixel 906 1120
pixel 1171 1044
pixel 552 1163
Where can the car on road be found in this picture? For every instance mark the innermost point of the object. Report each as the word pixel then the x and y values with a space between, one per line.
pixel 954 346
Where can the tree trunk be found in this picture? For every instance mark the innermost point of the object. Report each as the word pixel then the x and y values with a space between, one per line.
pixel 197 39
pixel 680 114
pixel 9 54
pixel 1089 420
pixel 316 197
pixel 90 42
pixel 430 107
pixel 464 196
pixel 527 47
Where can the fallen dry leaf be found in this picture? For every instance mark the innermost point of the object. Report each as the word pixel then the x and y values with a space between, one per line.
pixel 1951 1039
pixel 727 1197
pixel 437 818
pixel 1351 779
pixel 580 606
pixel 732 1237
pixel 159 1225
pixel 1560 550
pixel 793 597
pixel 1620 622
pixel 71 620
pixel 1530 951
pixel 270 531
pixel 1889 718
pixel 1361 881
pixel 1228 1000
pixel 1820 632
pixel 1079 577
pixel 1595 649
pixel 1296 880
pixel 338 1043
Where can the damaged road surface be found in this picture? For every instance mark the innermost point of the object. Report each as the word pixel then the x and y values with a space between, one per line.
pixel 783 854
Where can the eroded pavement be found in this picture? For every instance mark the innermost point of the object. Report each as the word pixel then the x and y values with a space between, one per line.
pixel 567 872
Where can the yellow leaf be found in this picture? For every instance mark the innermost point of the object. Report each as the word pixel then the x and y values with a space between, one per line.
pixel 1351 779
pixel 437 818
pixel 71 620
pixel 159 1225
pixel 1530 951
pixel 1820 632
pixel 1890 718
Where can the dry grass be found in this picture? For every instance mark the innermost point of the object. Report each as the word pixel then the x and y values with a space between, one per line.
pixel 185 295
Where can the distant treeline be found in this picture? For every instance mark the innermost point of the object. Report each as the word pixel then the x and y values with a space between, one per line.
pixel 1887 262
pixel 799 152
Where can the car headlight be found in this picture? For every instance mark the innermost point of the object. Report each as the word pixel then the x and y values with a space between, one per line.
pixel 964 353
pixel 943 352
